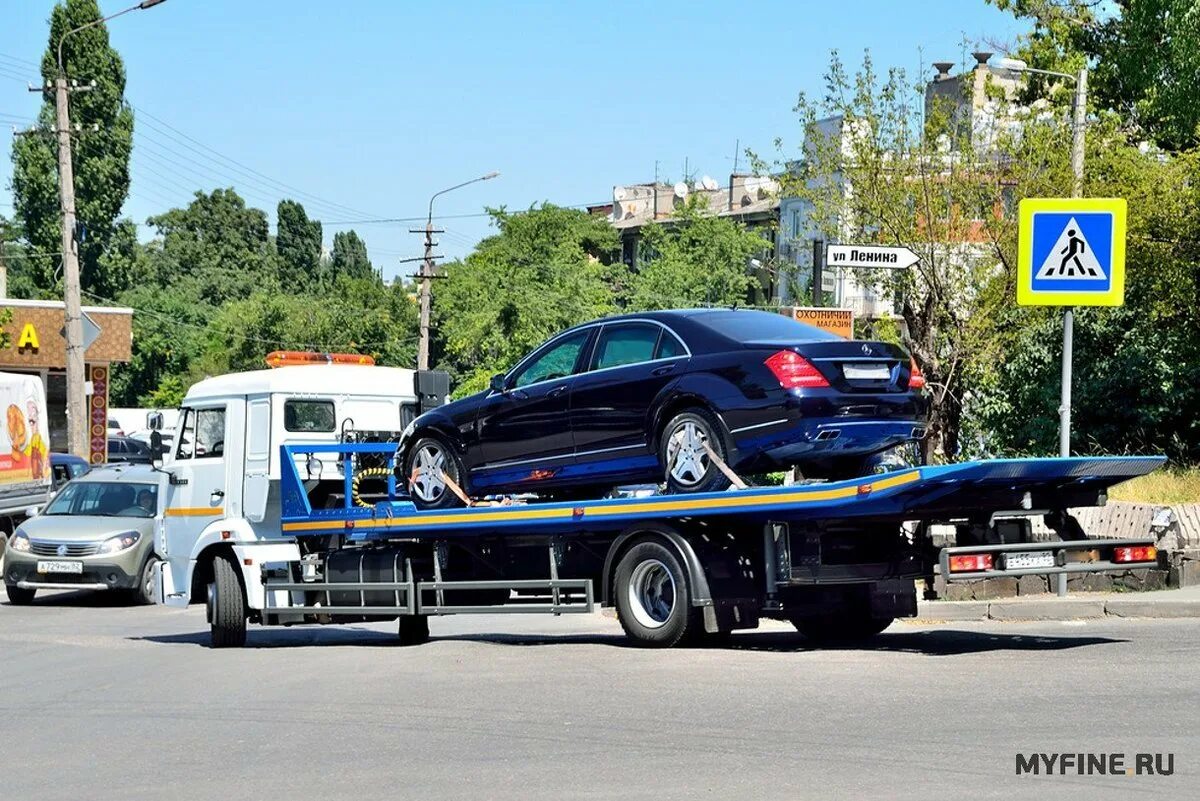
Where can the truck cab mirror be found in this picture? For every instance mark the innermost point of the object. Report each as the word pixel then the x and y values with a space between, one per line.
pixel 498 383
pixel 154 421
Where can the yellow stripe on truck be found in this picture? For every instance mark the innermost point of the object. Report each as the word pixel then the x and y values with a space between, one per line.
pixel 732 500
pixel 195 511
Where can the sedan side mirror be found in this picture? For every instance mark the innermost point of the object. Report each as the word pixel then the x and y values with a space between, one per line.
pixel 498 383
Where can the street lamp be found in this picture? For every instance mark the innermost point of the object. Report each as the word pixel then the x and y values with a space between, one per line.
pixel 1079 124
pixel 77 440
pixel 427 270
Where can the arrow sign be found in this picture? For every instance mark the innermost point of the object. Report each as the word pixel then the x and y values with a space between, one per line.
pixel 869 257
pixel 91 331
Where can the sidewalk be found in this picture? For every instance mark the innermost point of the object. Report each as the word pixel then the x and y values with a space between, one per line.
pixel 1076 606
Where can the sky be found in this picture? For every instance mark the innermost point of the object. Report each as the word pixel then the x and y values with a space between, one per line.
pixel 362 109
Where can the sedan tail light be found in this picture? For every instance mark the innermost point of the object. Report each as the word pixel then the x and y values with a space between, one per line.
pixel 794 371
pixel 916 379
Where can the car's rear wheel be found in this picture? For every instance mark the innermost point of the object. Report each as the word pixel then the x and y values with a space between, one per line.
pixel 19 596
pixel 428 462
pixel 688 465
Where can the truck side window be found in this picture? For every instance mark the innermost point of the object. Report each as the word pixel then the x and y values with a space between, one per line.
pixel 210 433
pixel 307 416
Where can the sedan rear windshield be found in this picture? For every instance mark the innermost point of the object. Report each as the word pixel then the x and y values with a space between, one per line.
pixel 105 499
pixel 752 326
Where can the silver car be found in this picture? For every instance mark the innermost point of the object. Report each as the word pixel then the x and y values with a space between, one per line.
pixel 96 534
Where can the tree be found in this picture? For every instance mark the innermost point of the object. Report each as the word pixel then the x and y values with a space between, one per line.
pixel 881 168
pixel 350 256
pixel 217 246
pixel 298 242
pixel 100 157
pixel 546 269
pixel 695 259
pixel 1146 55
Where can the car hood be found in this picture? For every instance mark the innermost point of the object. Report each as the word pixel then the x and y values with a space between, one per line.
pixel 83 528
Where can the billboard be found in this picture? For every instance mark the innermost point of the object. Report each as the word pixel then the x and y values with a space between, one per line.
pixel 24 442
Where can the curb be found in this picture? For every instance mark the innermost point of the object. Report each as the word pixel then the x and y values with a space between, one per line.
pixel 1011 611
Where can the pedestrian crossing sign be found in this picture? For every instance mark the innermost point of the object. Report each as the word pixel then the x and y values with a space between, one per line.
pixel 1071 252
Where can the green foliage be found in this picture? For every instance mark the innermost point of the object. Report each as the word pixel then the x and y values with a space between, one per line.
pixel 350 256
pixel 697 259
pixel 1146 55
pixel 100 157
pixel 546 269
pixel 298 241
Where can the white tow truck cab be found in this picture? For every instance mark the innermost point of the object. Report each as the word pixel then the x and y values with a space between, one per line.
pixel 222 470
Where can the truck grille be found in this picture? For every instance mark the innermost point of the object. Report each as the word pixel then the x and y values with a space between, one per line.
pixel 47 548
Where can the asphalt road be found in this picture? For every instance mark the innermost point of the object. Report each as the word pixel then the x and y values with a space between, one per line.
pixel 106 701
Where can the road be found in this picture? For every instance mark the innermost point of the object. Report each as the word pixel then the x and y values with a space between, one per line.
pixel 102 701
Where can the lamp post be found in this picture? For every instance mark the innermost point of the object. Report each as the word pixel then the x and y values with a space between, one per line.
pixel 77 439
pixel 427 271
pixel 1079 125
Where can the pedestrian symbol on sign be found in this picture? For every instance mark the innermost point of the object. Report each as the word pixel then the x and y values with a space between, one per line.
pixel 1071 257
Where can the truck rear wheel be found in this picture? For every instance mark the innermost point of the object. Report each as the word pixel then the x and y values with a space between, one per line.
pixel 414 629
pixel 653 599
pixel 844 627
pixel 226 605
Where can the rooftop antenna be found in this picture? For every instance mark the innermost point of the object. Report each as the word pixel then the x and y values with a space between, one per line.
pixel 737 147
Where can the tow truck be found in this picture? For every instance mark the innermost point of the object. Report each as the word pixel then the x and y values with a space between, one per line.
pixel 323 532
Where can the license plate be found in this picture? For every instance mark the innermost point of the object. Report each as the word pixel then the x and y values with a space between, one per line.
pixel 1025 559
pixel 60 567
pixel 871 372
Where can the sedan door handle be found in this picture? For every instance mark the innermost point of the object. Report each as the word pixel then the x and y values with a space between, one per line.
pixel 554 393
pixel 666 368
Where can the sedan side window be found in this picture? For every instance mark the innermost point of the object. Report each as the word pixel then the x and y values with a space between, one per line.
pixel 670 346
pixel 556 362
pixel 620 345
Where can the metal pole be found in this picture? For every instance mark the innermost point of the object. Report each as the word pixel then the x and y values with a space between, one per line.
pixel 818 273
pixel 1079 126
pixel 77 418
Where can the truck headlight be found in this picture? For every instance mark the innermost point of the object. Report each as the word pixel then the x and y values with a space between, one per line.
pixel 19 542
pixel 120 542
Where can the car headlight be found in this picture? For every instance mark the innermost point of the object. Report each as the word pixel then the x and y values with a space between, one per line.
pixel 120 542
pixel 19 542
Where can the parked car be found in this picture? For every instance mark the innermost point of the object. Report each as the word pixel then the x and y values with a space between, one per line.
pixel 97 534
pixel 66 466
pixel 128 449
pixel 168 438
pixel 636 398
pixel 114 428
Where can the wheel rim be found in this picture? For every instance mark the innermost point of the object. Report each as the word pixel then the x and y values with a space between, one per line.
pixel 687 460
pixel 428 483
pixel 148 581
pixel 651 594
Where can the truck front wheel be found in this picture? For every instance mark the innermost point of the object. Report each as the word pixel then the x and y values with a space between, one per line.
pixel 653 599
pixel 226 606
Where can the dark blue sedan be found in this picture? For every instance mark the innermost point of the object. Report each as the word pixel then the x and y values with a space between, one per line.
pixel 637 398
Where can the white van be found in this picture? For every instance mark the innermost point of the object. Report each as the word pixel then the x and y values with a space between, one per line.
pixel 222 482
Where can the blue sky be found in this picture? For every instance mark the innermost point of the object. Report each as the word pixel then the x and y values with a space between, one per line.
pixel 368 107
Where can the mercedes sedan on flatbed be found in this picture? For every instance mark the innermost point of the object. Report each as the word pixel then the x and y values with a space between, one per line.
pixel 646 398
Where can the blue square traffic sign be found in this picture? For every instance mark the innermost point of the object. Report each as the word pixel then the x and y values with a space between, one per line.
pixel 1071 252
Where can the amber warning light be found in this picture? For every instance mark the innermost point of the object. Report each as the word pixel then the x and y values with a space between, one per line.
pixel 284 358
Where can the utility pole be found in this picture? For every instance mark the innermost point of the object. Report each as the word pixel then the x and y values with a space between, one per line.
pixel 426 276
pixel 77 416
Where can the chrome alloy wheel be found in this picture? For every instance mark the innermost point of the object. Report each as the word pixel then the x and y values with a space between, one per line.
pixel 651 593
pixel 428 483
pixel 686 458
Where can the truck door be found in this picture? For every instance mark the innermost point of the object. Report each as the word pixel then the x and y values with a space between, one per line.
pixel 197 491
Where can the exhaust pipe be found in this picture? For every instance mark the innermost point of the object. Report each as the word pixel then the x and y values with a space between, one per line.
pixel 829 434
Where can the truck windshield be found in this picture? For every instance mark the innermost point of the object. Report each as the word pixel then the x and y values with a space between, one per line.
pixel 105 499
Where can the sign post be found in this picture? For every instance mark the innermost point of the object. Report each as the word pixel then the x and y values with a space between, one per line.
pixel 1070 252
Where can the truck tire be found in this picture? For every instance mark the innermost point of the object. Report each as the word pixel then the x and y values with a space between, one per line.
pixel 19 596
pixel 687 467
pixel 840 628
pixel 413 629
pixel 653 599
pixel 226 605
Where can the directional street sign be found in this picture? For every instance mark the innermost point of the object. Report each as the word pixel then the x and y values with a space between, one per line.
pixel 869 257
pixel 1071 252
pixel 91 331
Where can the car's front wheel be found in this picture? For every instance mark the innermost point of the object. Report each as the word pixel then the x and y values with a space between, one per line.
pixel 427 465
pixel 19 596
pixel 688 464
